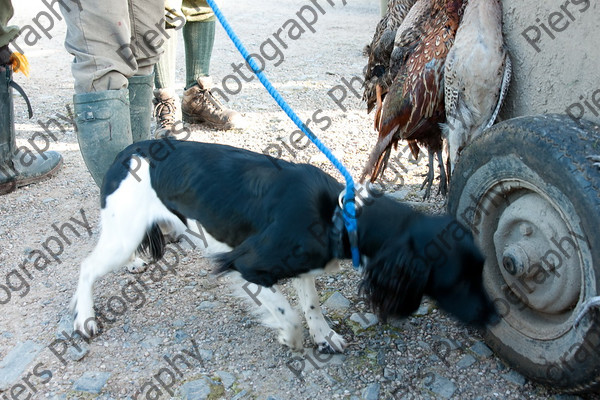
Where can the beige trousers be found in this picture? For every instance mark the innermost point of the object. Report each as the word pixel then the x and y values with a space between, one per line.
pixel 113 40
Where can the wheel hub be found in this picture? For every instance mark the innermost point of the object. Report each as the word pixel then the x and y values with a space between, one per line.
pixel 537 255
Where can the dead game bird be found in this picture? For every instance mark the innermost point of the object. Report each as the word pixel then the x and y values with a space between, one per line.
pixel 477 75
pixel 414 106
pixel 380 51
pixel 408 34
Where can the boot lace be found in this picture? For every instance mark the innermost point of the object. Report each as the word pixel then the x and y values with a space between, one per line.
pixel 210 102
pixel 164 112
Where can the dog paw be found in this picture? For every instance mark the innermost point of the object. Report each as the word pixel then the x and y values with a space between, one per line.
pixel 137 266
pixel 86 327
pixel 291 337
pixel 331 344
pixel 84 321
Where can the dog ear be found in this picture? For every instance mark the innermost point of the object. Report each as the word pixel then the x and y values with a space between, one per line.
pixel 395 279
pixel 457 286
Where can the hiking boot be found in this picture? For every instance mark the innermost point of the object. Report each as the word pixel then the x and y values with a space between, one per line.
pixel 200 106
pixel 165 113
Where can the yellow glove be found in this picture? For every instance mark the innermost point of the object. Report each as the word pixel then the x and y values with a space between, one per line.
pixel 19 63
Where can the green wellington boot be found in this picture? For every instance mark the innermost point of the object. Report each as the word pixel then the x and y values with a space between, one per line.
pixel 140 105
pixel 103 128
pixel 17 168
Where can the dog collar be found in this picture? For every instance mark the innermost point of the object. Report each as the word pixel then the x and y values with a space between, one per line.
pixel 337 233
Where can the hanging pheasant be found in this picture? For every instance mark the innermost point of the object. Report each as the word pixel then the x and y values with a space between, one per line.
pixel 380 50
pixel 477 75
pixel 414 105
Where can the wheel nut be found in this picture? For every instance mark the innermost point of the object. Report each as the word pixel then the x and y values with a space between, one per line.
pixel 515 260
pixel 526 229
pixel 509 265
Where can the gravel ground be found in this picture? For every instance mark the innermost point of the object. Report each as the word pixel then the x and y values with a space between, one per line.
pixel 181 334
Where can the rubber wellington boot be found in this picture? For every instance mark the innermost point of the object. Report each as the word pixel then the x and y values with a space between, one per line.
pixel 103 128
pixel 19 166
pixel 140 105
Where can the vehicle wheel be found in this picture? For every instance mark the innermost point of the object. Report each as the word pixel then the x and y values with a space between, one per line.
pixel 532 199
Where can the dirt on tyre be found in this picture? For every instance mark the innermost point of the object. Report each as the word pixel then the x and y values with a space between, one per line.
pixel 531 195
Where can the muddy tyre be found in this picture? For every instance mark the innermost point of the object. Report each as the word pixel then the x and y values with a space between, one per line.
pixel 531 196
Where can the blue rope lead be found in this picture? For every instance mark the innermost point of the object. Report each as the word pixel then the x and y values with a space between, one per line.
pixel 349 204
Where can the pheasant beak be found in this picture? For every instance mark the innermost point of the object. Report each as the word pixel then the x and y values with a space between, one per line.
pixel 19 63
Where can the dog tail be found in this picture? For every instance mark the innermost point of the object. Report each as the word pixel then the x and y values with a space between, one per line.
pixel 153 243
pixel 243 261
pixel 225 262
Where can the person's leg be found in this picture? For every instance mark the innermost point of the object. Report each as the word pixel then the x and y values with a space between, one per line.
pixel 99 37
pixel 18 167
pixel 198 38
pixel 199 105
pixel 145 22
pixel 140 105
pixel 108 43
pixel 165 99
pixel 7 128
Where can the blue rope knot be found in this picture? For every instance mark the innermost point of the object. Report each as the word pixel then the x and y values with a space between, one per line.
pixel 349 205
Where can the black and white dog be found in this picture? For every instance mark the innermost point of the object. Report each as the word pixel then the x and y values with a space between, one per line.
pixel 275 220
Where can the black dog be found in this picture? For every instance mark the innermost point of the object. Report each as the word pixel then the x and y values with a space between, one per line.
pixel 275 219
